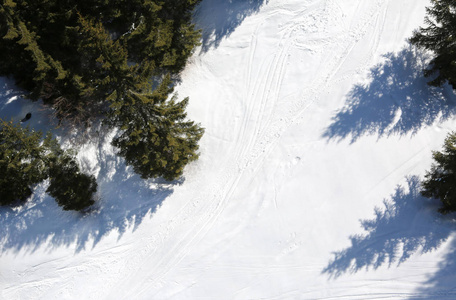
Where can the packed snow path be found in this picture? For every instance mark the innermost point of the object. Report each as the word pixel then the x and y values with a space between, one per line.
pixel 316 113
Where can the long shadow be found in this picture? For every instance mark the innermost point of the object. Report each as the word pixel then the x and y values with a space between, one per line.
pixel 442 284
pixel 396 101
pixel 219 18
pixel 407 224
pixel 125 199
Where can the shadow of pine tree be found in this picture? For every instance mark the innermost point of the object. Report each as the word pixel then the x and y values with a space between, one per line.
pixel 219 18
pixel 407 224
pixel 396 101
pixel 442 284
pixel 125 199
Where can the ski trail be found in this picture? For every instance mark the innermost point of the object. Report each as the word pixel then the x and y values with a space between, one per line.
pixel 320 32
pixel 250 219
pixel 254 141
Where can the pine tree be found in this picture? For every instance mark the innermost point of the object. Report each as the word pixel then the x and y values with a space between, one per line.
pixel 72 189
pixel 55 48
pixel 21 166
pixel 26 160
pixel 440 181
pixel 439 37
pixel 156 138
pixel 97 58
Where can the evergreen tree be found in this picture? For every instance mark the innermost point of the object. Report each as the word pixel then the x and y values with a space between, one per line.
pixel 440 181
pixel 439 37
pixel 71 189
pixel 61 50
pixel 26 160
pixel 21 166
pixel 156 138
pixel 96 58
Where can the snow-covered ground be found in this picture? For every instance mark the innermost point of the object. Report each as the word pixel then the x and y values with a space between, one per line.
pixel 319 126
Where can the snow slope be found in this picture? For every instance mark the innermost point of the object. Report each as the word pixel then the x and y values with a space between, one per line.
pixel 317 117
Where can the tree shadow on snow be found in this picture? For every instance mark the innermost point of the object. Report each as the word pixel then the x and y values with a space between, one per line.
pixel 441 285
pixel 408 224
pixel 396 101
pixel 125 199
pixel 219 18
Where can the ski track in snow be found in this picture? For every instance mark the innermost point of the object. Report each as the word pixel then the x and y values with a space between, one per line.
pixel 143 264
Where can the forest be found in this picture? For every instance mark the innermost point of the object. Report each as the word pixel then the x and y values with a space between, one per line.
pixel 114 60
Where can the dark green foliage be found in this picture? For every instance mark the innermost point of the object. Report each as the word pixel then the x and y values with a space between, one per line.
pixel 71 189
pixel 21 166
pixel 156 139
pixel 440 181
pixel 96 59
pixel 26 160
pixel 439 37
pixel 73 53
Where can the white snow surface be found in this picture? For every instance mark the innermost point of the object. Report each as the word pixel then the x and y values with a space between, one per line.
pixel 319 127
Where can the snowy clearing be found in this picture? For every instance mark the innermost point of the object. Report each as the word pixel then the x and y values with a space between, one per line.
pixel 319 126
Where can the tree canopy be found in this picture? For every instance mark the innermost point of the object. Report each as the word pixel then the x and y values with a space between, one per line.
pixel 440 181
pixel 439 36
pixel 73 54
pixel 27 160
pixel 90 59
pixel 21 163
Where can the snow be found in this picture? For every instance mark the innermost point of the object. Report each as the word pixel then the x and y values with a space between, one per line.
pixel 319 126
